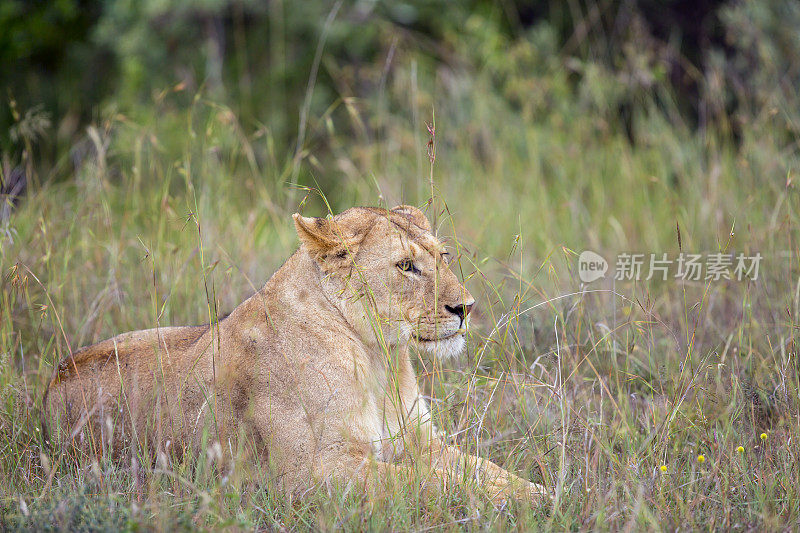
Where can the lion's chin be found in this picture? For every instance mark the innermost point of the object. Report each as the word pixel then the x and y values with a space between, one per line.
pixel 443 348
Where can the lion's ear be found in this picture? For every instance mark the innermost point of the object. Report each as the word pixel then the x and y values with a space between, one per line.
pixel 328 243
pixel 416 216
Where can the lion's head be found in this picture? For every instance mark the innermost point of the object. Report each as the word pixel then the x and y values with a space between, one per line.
pixel 389 276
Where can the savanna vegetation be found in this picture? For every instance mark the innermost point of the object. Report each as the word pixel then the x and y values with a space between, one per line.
pixel 154 151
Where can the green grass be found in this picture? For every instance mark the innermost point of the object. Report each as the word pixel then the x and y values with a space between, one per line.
pixel 173 214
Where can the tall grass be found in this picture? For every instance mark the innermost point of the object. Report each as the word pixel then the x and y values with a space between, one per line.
pixel 174 215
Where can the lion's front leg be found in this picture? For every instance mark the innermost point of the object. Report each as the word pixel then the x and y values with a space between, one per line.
pixel 499 483
pixel 378 478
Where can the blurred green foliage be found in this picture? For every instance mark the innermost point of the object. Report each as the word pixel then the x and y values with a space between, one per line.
pixel 48 59
pixel 707 65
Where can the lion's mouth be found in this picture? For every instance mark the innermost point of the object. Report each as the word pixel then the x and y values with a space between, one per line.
pixel 444 346
pixel 456 333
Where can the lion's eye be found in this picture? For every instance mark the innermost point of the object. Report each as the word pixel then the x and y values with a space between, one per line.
pixel 407 265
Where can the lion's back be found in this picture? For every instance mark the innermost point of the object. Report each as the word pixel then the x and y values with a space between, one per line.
pixel 112 377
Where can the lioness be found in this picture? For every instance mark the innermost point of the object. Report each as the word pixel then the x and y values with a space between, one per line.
pixel 314 368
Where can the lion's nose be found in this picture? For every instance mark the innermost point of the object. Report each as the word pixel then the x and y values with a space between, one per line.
pixel 461 311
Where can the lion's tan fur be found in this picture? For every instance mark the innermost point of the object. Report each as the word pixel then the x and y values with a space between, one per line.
pixel 313 369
